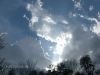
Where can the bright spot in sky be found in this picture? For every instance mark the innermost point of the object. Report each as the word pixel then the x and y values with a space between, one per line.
pixel 61 41
pixel 56 62
pixel 46 69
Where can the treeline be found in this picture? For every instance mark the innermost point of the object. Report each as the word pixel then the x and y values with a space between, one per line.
pixel 70 67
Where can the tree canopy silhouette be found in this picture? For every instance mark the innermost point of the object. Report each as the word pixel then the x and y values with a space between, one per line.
pixel 1 42
pixel 87 65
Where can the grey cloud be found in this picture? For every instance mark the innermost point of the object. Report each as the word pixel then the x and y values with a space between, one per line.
pixel 12 54
pixel 26 49
pixel 83 42
pixel 32 51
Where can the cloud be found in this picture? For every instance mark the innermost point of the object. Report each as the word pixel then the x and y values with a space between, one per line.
pixel 72 38
pixel 50 28
pixel 98 15
pixel 96 25
pixel 33 51
pixel 49 20
pixel 13 54
pixel 86 38
pixel 96 28
pixel 91 8
pixel 77 4
pixel 25 49
pixel 21 47
pixel 64 21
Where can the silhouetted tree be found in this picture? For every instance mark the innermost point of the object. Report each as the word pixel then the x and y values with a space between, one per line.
pixel 79 73
pixel 71 64
pixel 11 72
pixel 41 73
pixel 34 72
pixel 48 72
pixel 61 67
pixel 64 68
pixel 67 72
pixel 2 43
pixel 67 67
pixel 87 65
pixel 31 64
pixel 97 72
pixel 3 65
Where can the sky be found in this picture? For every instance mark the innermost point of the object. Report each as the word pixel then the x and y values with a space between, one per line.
pixel 50 31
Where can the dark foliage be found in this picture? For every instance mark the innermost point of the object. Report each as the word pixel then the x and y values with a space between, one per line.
pixel 1 42
pixel 87 65
pixel 79 73
pixel 65 68
pixel 11 72
pixel 33 72
pixel 41 73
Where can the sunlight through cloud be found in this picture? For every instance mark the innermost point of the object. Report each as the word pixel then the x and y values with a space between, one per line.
pixel 49 29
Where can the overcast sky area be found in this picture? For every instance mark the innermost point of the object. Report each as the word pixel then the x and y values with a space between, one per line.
pixel 50 31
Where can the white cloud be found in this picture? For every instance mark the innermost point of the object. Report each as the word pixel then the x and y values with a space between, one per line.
pixel 77 4
pixel 96 28
pixel 91 8
pixel 64 21
pixel 62 41
pixel 84 28
pixel 55 30
pixel 49 20
pixel 48 27
pixel 45 30
pixel 98 15
pixel 39 3
pixel 3 34
pixel 34 20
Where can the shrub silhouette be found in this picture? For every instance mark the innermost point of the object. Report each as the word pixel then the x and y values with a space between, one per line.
pixel 2 43
pixel 87 65
pixel 41 73
pixel 34 72
pixel 11 72
pixel 79 73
